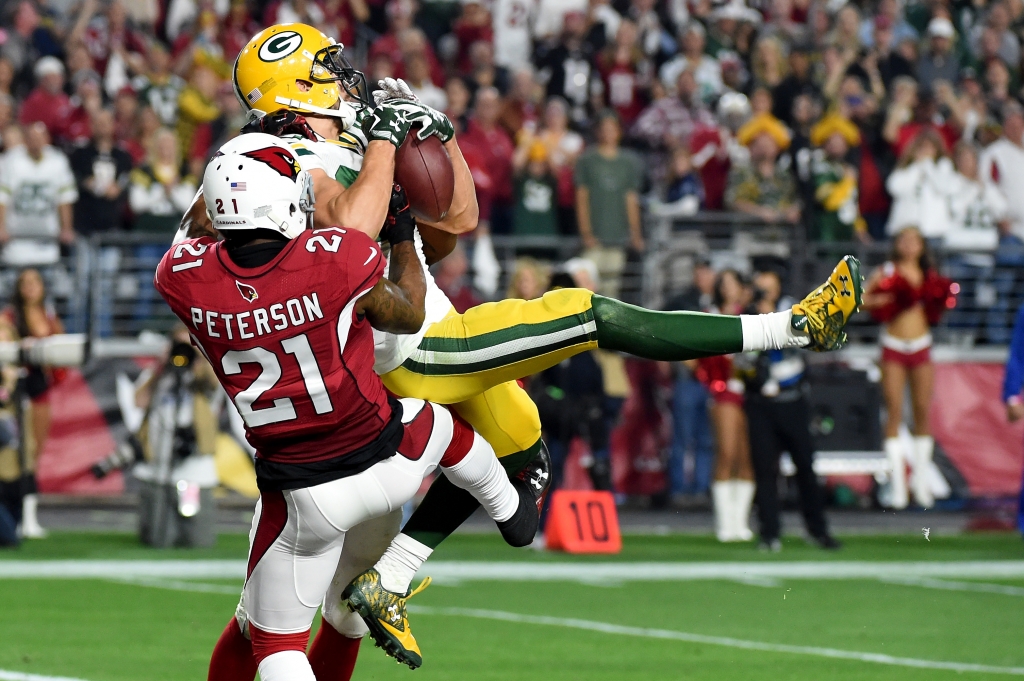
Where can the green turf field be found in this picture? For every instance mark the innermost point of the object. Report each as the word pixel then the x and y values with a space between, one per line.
pixel 893 607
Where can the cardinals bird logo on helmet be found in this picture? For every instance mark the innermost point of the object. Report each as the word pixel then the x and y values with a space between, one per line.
pixel 278 159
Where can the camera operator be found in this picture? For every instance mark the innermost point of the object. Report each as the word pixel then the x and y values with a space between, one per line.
pixel 174 447
pixel 778 419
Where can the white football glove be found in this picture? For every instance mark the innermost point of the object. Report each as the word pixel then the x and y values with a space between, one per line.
pixel 392 89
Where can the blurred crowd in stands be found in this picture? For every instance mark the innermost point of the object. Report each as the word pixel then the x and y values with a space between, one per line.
pixel 844 121
pixel 848 119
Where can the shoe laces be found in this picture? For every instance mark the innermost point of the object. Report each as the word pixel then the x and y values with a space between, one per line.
pixel 422 587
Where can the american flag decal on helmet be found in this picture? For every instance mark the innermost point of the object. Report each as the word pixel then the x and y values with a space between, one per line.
pixel 238 186
pixel 254 96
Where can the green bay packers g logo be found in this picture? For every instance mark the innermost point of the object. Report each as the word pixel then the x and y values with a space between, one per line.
pixel 280 46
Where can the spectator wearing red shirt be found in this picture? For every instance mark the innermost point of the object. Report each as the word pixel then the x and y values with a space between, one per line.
pixel 341 18
pixel 87 100
pixel 621 65
pixel 402 39
pixel 925 116
pixel 107 35
pixel 473 26
pixel 492 149
pixel 237 28
pixel 47 103
pixel 451 276
pixel 520 109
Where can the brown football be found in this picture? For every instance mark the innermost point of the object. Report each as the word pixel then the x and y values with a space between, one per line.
pixel 424 169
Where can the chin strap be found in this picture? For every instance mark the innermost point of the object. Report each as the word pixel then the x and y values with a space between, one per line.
pixel 345 112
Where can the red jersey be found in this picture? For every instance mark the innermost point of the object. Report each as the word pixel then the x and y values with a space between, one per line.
pixel 287 346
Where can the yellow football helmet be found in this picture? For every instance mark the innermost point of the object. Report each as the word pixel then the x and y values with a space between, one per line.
pixel 295 66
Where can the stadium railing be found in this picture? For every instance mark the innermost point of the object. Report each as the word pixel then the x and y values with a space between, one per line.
pixel 989 283
pixel 104 286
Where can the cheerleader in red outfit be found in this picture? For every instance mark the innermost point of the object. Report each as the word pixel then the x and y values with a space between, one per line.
pixel 732 491
pixel 908 296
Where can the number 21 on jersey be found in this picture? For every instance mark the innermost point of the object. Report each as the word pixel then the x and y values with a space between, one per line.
pixel 283 408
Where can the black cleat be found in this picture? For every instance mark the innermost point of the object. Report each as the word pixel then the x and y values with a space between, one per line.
pixel 521 528
pixel 537 474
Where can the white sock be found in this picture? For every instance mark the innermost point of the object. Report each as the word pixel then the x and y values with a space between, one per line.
pixel 743 497
pixel 287 665
pixel 924 449
pixel 480 474
pixel 721 495
pixel 400 562
pixel 898 479
pixel 771 331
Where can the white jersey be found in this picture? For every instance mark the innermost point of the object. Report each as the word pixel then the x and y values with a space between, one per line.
pixel 513 44
pixel 31 191
pixel 342 160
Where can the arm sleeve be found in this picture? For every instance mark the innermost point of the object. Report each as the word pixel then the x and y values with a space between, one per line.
pixel 1015 364
pixel 308 159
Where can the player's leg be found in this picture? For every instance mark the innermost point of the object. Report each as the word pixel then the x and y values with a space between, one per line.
pixel 507 418
pixel 467 460
pixel 922 379
pixel 232 658
pixel 894 383
pixel 498 342
pixel 298 542
pixel 336 646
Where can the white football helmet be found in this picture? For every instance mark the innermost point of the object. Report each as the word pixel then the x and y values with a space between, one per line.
pixel 255 182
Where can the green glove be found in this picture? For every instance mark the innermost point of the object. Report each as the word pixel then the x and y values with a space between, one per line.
pixel 431 121
pixel 387 122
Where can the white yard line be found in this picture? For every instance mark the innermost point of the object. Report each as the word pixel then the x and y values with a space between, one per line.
pixel 670 635
pixel 947 585
pixel 6 675
pixel 178 585
pixel 603 572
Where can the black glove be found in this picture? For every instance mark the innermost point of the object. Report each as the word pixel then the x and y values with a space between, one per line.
pixel 399 225
pixel 280 123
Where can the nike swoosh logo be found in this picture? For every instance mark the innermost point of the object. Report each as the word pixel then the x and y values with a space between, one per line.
pixel 373 253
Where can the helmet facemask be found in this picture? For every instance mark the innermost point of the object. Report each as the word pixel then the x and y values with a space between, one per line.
pixel 338 68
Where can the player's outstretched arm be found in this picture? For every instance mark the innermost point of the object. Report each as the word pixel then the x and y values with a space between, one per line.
pixel 395 305
pixel 364 205
pixel 464 214
pixel 195 223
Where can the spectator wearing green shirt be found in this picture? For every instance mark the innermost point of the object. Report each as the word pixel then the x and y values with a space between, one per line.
pixel 608 182
pixel 535 195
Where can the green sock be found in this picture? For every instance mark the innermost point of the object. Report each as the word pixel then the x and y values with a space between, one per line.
pixel 664 336
pixel 446 506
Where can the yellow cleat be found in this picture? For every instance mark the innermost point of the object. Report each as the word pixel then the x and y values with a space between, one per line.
pixel 384 613
pixel 823 314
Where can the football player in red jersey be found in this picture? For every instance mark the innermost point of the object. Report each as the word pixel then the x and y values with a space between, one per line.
pixel 284 315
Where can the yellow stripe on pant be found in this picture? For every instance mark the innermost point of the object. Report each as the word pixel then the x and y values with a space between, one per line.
pixel 472 361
